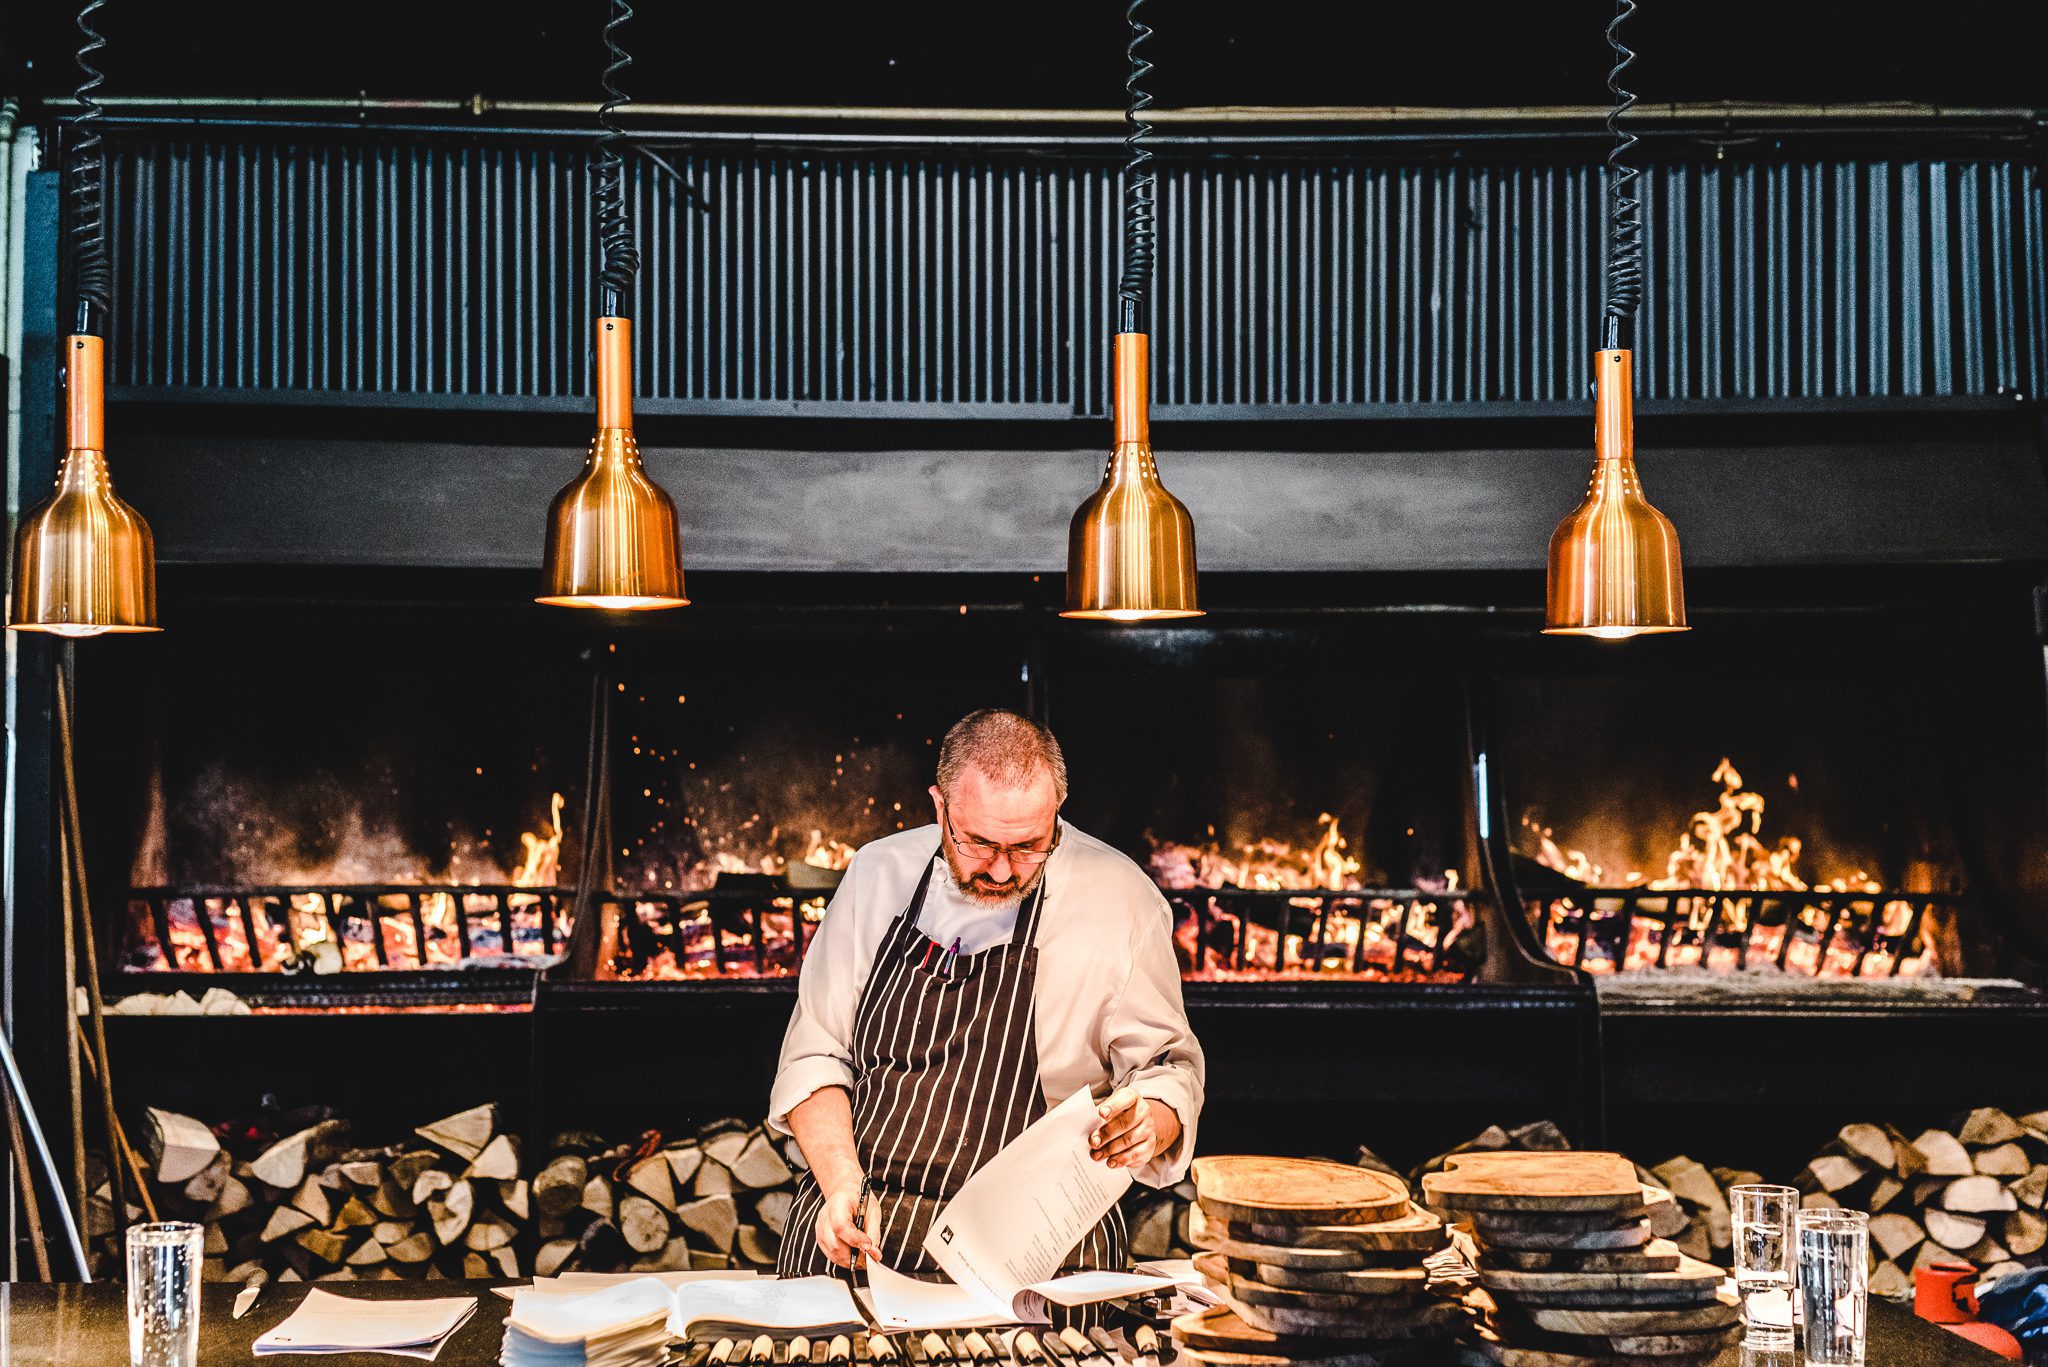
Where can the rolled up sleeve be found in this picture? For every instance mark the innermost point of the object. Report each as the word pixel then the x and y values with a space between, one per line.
pixel 1151 1047
pixel 816 1049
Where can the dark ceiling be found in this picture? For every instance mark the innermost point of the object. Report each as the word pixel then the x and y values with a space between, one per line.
pixel 1043 53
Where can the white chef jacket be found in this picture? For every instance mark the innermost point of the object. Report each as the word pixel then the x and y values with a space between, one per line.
pixel 1108 988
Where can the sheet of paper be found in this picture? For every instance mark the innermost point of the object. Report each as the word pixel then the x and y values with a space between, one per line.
pixel 1086 1288
pixel 575 1318
pixel 764 1302
pixel 327 1323
pixel 903 1302
pixel 1010 1225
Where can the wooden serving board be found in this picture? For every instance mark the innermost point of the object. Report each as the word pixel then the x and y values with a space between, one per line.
pixel 1382 1300
pixel 1413 1230
pixel 1655 1202
pixel 1659 1255
pixel 1613 1300
pixel 1572 1352
pixel 1370 1281
pixel 1721 1312
pixel 1370 1355
pixel 1295 1191
pixel 1426 1318
pixel 1221 1236
pixel 1634 1234
pixel 1675 1345
pixel 1219 1330
pixel 1542 1182
pixel 1689 1275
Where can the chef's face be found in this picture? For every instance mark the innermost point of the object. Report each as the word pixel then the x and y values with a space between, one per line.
pixel 980 813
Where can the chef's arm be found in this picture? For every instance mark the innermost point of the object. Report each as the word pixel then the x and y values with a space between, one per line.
pixel 1151 1048
pixel 823 1125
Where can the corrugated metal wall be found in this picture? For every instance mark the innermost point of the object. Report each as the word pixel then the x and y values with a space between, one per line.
pixel 914 282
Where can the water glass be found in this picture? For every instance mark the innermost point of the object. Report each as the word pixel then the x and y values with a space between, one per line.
pixel 163 1294
pixel 1763 1261
pixel 1834 1284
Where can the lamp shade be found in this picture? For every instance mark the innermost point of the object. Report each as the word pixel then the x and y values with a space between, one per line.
pixel 84 561
pixel 613 538
pixel 1131 548
pixel 1614 567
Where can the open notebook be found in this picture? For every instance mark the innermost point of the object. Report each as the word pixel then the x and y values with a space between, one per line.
pixel 807 1305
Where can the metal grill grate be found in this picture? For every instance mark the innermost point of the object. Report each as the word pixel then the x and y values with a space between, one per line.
pixel 943 282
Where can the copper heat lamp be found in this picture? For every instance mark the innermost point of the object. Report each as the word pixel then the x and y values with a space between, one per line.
pixel 613 539
pixel 1131 548
pixel 1614 568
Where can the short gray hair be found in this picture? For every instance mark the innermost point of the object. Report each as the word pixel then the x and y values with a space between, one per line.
pixel 1007 746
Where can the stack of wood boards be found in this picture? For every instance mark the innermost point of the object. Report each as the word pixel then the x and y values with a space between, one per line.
pixel 1315 1262
pixel 1572 1275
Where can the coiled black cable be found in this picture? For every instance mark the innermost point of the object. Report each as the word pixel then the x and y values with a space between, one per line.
pixel 1139 186
pixel 1624 209
pixel 92 274
pixel 618 256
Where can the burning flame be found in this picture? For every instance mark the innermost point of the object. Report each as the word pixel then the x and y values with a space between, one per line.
pixel 1267 865
pixel 543 853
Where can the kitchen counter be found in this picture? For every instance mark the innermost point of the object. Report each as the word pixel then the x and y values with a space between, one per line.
pixel 86 1326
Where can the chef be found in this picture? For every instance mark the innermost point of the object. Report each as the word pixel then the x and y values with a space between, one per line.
pixel 967 975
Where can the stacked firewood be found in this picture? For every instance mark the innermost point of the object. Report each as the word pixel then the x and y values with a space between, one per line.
pixel 462 1203
pixel 1975 1191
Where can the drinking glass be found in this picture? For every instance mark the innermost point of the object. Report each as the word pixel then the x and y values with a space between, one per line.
pixel 163 1294
pixel 1834 1284
pixel 1763 1261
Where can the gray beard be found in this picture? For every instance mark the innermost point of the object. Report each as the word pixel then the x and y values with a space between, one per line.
pixel 1007 902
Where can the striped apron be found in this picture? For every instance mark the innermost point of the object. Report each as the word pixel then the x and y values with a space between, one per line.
pixel 945 1062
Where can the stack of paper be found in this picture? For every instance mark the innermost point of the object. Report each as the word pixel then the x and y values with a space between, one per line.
pixel 327 1323
pixel 619 1326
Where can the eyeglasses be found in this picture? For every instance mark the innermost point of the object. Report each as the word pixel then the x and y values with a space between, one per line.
pixel 980 850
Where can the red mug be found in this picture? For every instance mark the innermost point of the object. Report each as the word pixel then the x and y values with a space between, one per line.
pixel 1945 1293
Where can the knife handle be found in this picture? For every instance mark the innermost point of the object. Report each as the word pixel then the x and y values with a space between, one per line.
pixel 840 1349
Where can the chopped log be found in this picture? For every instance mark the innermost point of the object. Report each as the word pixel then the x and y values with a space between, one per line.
pixel 1542 1135
pixel 364 1174
pixel 597 1197
pixel 1815 1200
pixel 210 1182
pixel 2032 1190
pixel 283 1165
pixel 759 1164
pixel 674 1256
pixel 600 1247
pixel 451 1213
pixel 2004 1269
pixel 474 1268
pixel 180 1148
pixel 394 1201
pixel 1945 1155
pixel 2024 1232
pixel 1952 1231
pixel 683 1162
pixel 488 1232
pixel 713 1179
pixel 498 1162
pixel 369 1253
pixel 2004 1160
pixel 754 1247
pixel 1907 1160
pixel 1895 1235
pixel 1884 1191
pixel 1926 1191
pixel 514 1197
pixel 234 1198
pixel 413 1248
pixel 1869 1143
pixel 772 1210
pixel 504 1261
pixel 327 1246
pixel 389 1232
pixel 465 1133
pixel 1976 1195
pixel 654 1179
pixel 1986 1251
pixel 1890 1281
pixel 724 1147
pixel 553 1257
pixel 407 1167
pixel 311 1197
pixel 558 1188
pixel 1836 1172
pixel 643 1224
pixel 1987 1126
pixel 331 1178
pixel 284 1222
pixel 714 1217
pixel 553 1226
pixel 1931 1253
pixel 431 1184
pixel 354 1215
pixel 215 1242
pixel 702 1260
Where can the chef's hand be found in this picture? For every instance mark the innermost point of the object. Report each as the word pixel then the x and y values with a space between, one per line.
pixel 1134 1130
pixel 838 1227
